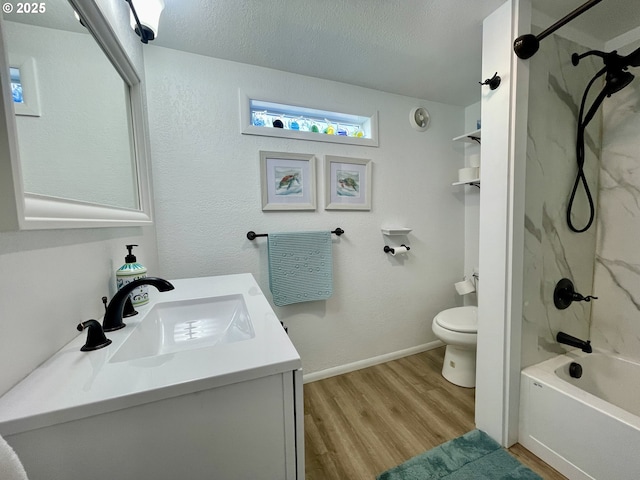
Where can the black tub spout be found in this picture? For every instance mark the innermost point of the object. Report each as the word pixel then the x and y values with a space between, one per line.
pixel 567 339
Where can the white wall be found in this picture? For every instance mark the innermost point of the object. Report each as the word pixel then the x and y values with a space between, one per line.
pixel 207 183
pixel 52 280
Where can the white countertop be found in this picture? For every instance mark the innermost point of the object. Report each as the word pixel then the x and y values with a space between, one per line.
pixel 74 384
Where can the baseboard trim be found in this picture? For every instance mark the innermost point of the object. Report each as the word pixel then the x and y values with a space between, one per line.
pixel 369 362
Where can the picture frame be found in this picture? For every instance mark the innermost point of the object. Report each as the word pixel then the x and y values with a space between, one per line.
pixel 24 86
pixel 347 183
pixel 288 181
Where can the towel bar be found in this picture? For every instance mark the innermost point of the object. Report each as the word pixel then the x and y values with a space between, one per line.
pixel 251 235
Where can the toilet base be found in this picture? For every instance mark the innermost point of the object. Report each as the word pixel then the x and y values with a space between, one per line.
pixel 460 366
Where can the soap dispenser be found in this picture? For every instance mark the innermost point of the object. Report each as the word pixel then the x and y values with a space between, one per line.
pixel 129 272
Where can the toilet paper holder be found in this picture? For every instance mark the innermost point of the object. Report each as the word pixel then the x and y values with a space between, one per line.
pixel 392 251
pixel 468 285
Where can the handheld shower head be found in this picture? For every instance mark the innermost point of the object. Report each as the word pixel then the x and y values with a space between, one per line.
pixel 616 81
pixel 615 66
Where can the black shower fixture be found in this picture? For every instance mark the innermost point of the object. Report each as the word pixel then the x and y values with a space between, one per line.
pixel 617 77
pixel 565 293
pixel 527 45
pixel 616 81
pixel 615 66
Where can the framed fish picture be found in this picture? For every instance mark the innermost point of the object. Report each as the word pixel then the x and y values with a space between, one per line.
pixel 347 183
pixel 288 181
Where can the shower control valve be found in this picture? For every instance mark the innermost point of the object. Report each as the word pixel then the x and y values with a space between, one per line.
pixel 565 294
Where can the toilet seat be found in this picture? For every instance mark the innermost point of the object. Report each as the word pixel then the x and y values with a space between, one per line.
pixel 459 319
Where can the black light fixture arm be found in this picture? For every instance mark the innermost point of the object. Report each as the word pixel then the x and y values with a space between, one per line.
pixel 140 30
pixel 527 45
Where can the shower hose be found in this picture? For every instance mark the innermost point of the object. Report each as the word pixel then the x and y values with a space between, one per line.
pixel 580 176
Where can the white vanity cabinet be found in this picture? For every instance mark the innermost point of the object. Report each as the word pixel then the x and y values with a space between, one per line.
pixel 194 411
pixel 246 430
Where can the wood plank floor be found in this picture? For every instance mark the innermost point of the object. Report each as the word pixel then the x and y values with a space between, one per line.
pixel 359 424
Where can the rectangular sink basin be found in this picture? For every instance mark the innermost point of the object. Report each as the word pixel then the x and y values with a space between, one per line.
pixel 172 327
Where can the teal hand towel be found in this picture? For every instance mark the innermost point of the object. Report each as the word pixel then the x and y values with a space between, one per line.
pixel 300 266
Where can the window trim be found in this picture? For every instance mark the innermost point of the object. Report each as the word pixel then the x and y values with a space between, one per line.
pixel 246 127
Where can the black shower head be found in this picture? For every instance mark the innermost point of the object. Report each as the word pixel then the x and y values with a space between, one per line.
pixel 616 67
pixel 616 81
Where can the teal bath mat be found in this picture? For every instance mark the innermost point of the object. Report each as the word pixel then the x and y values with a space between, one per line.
pixel 473 456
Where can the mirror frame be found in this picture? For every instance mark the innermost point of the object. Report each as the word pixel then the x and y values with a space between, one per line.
pixel 20 210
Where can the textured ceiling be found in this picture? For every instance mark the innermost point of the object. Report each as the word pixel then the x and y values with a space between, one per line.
pixel 428 49
pixel 420 48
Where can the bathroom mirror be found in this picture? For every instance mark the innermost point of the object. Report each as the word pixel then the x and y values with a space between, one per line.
pixel 76 145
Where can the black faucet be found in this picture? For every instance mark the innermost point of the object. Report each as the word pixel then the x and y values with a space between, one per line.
pixel 565 293
pixel 95 336
pixel 113 314
pixel 567 339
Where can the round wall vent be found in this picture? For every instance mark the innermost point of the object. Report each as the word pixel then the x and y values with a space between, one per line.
pixel 419 119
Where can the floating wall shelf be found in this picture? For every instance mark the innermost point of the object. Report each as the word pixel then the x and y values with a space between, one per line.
pixel 475 183
pixel 471 137
pixel 396 231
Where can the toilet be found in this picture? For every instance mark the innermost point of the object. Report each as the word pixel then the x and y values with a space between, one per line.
pixel 458 329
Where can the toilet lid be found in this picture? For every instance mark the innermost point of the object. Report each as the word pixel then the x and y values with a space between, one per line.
pixel 459 319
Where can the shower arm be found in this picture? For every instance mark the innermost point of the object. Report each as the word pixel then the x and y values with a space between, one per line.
pixel 612 60
pixel 575 58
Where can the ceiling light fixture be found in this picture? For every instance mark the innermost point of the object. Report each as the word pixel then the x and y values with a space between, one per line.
pixel 145 19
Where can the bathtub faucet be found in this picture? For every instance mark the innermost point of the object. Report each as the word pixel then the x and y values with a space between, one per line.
pixel 567 339
pixel 113 314
pixel 565 293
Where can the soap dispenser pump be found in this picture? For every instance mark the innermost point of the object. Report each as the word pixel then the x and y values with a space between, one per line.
pixel 130 271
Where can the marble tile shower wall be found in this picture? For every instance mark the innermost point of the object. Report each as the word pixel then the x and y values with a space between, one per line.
pixel 552 251
pixel 616 314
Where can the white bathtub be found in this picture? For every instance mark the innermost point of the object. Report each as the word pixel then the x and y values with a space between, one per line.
pixel 586 428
